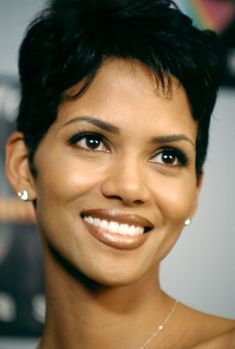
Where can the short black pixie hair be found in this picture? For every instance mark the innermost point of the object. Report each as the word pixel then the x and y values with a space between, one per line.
pixel 70 39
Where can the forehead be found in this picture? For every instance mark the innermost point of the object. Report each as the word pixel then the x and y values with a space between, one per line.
pixel 119 73
pixel 128 91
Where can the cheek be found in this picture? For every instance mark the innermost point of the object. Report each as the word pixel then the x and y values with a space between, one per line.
pixel 175 198
pixel 66 180
pixel 63 189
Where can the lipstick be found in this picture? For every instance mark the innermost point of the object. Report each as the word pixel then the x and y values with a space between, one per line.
pixel 117 229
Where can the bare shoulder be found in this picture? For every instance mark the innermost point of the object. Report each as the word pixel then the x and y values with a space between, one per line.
pixel 206 331
pixel 223 341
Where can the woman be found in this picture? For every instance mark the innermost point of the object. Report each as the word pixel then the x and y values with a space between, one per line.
pixel 110 144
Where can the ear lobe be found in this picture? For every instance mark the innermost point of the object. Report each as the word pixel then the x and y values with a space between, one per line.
pixel 17 166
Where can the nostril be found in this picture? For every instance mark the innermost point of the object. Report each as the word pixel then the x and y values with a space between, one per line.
pixel 120 187
pixel 115 197
pixel 138 202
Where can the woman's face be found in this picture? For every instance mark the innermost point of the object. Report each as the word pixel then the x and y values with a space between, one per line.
pixel 116 175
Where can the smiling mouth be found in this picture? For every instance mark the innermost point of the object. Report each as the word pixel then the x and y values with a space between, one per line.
pixel 115 227
pixel 123 231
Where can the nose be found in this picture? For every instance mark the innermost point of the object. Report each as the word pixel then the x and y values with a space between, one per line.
pixel 126 181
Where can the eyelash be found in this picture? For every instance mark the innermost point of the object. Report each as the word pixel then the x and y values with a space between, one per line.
pixel 176 154
pixel 76 138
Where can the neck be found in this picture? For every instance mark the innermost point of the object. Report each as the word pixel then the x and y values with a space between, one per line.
pixel 84 314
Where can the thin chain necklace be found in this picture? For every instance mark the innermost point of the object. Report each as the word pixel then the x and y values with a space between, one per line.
pixel 160 327
pixel 156 332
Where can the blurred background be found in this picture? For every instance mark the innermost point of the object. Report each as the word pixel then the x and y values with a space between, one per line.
pixel 200 271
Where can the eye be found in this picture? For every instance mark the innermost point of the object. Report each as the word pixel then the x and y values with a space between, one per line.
pixel 89 141
pixel 170 157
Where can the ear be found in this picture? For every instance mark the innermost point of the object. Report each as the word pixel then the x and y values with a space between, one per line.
pixel 198 190
pixel 17 165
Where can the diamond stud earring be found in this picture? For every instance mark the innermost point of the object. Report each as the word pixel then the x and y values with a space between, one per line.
pixel 187 222
pixel 23 195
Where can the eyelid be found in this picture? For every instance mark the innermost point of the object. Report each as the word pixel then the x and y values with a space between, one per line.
pixel 182 157
pixel 79 135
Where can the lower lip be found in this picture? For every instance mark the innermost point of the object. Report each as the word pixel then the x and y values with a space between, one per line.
pixel 122 242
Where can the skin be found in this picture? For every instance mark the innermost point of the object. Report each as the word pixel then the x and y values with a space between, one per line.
pixel 95 292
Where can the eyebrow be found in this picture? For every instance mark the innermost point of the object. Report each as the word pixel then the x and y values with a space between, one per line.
pixel 97 122
pixel 172 138
pixel 113 129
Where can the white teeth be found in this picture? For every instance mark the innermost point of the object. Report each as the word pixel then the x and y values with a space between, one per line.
pixel 123 228
pixel 104 224
pixel 89 219
pixel 96 221
pixel 114 227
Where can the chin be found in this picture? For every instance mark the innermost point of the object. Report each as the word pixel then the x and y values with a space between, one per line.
pixel 114 280
pixel 91 275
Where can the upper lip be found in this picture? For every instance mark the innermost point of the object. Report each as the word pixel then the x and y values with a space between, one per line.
pixel 119 217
